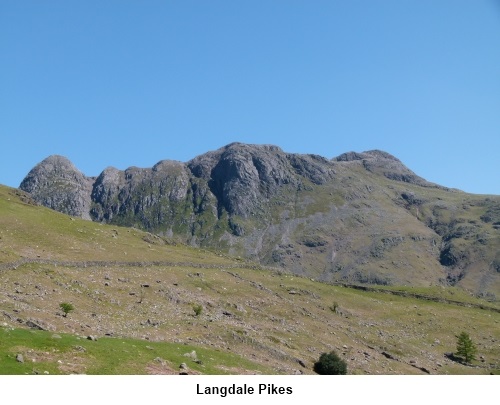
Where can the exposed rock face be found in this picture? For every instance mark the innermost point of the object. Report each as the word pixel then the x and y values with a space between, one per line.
pixel 56 183
pixel 315 168
pixel 243 177
pixel 142 196
pixel 360 217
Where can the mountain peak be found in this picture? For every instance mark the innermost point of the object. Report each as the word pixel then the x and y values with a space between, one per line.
pixel 370 154
pixel 383 163
pixel 56 183
pixel 380 154
pixel 251 146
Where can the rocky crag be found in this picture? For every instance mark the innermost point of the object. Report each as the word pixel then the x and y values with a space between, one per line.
pixel 59 185
pixel 357 218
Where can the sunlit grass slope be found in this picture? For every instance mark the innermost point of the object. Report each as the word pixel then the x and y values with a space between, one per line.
pixel 137 294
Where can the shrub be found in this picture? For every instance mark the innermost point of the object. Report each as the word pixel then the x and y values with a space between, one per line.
pixel 66 308
pixel 197 309
pixel 330 364
pixel 334 308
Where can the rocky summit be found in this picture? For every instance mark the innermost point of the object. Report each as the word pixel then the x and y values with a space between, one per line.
pixel 357 218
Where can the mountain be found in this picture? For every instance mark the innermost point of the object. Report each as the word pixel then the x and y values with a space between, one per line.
pixel 357 218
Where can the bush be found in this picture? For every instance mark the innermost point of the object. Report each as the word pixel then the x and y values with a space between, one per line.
pixel 66 308
pixel 197 309
pixel 330 364
pixel 334 308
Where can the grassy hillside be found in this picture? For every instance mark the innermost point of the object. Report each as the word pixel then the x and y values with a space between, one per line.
pixel 31 231
pixel 137 294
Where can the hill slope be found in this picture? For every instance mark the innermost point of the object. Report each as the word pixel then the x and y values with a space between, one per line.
pixel 357 218
pixel 136 293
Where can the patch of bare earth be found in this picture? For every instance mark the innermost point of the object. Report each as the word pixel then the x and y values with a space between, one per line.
pixel 75 366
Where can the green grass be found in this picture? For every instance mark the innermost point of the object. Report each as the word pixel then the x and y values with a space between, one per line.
pixel 36 232
pixel 451 294
pixel 65 353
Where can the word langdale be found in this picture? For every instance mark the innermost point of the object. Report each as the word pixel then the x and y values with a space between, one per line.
pixel 263 389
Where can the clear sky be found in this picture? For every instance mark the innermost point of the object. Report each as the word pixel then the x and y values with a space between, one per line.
pixel 128 83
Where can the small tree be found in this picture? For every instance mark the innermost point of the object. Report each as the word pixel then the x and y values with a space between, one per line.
pixel 466 347
pixel 330 364
pixel 66 308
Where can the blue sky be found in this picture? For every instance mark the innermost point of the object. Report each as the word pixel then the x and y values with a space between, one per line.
pixel 129 83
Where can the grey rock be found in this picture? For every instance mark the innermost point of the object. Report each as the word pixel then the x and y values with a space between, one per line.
pixel 351 156
pixel 315 168
pixel 192 355
pixel 56 183
pixel 155 194
pixel 34 325
pixel 242 177
pixel 19 358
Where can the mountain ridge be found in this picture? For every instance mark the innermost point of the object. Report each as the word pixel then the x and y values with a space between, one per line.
pixel 359 217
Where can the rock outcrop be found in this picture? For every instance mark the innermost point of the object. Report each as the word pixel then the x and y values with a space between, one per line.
pixel 56 183
pixel 244 177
